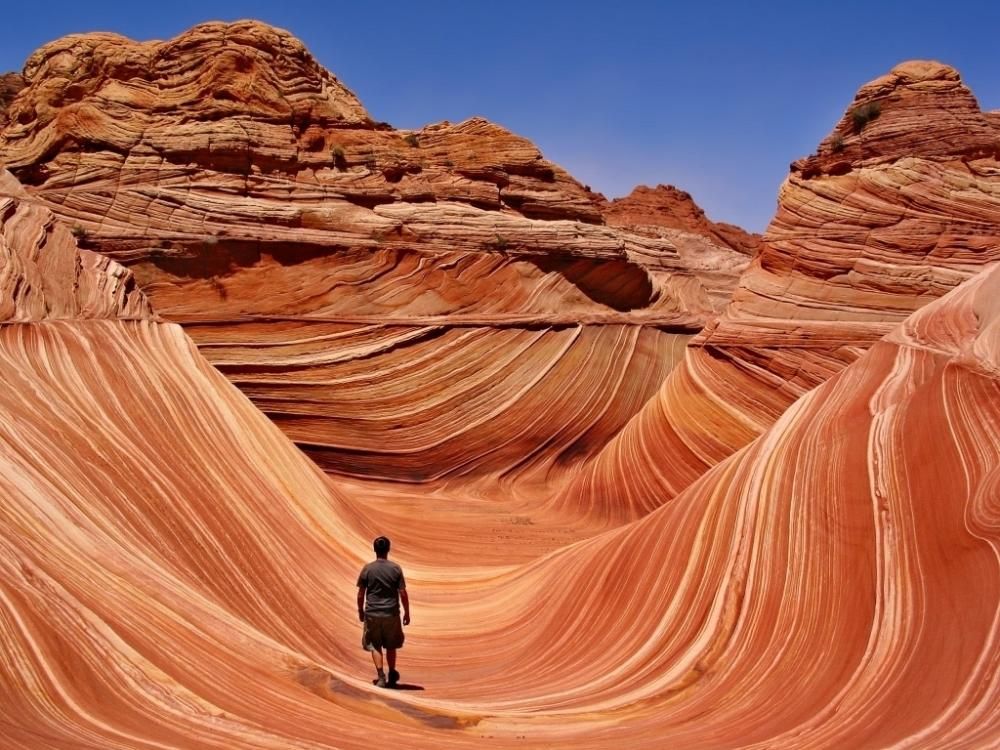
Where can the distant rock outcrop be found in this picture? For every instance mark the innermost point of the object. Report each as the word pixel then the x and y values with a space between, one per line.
pixel 256 152
pixel 716 253
pixel 669 207
pixel 900 205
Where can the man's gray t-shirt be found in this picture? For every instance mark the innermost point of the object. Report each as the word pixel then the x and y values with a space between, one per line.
pixel 382 581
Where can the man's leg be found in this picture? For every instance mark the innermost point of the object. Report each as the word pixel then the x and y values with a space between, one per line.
pixel 393 678
pixel 377 659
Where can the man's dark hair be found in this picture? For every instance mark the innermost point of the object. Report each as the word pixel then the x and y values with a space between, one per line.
pixel 381 546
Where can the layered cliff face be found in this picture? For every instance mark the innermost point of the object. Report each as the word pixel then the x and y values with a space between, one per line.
pixel 44 276
pixel 900 204
pixel 716 253
pixel 305 246
pixel 169 559
pixel 123 458
pixel 668 207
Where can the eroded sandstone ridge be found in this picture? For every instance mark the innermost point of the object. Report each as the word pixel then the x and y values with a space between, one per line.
pixel 668 207
pixel 789 540
pixel 305 247
pixel 717 253
pixel 168 562
pixel 900 204
pixel 44 276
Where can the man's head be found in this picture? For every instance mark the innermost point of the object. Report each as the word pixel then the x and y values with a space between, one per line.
pixel 381 546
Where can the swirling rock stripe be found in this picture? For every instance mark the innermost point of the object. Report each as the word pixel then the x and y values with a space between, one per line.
pixel 863 520
pixel 418 403
pixel 147 599
pixel 145 551
pixel 43 275
pixel 878 223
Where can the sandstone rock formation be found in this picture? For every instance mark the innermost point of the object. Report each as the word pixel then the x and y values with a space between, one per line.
pixel 668 207
pixel 716 253
pixel 44 276
pixel 905 208
pixel 305 246
pixel 787 540
pixel 10 85
pixel 150 516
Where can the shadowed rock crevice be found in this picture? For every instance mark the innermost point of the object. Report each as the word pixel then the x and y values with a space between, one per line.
pixel 10 85
pixel 617 284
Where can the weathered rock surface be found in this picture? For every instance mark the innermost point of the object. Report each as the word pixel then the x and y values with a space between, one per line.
pixel 788 540
pixel 44 276
pixel 169 559
pixel 305 246
pixel 716 253
pixel 10 85
pixel 230 144
pixel 905 210
pixel 668 207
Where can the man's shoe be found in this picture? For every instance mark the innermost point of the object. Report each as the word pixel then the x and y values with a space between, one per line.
pixel 393 678
pixel 380 682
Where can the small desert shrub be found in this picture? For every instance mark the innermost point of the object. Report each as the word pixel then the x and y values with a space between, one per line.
pixel 412 140
pixel 449 163
pixel 864 114
pixel 500 244
pixel 79 232
pixel 837 144
pixel 210 241
pixel 337 154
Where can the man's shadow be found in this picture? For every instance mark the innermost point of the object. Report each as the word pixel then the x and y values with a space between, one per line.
pixel 401 686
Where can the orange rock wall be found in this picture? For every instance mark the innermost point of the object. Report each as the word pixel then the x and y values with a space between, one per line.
pixel 904 210
pixel 849 552
pixel 787 540
pixel 302 243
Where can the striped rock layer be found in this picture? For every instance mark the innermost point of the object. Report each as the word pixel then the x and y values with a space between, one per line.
pixel 900 204
pixel 174 572
pixel 787 540
pixel 44 276
pixel 717 253
pixel 305 246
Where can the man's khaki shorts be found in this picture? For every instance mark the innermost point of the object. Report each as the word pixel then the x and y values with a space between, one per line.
pixel 382 632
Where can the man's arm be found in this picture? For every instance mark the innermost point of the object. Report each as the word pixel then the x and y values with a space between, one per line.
pixel 361 603
pixel 405 599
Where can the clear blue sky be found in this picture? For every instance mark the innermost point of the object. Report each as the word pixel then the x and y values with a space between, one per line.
pixel 714 97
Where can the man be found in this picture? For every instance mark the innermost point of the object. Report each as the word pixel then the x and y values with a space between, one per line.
pixel 381 586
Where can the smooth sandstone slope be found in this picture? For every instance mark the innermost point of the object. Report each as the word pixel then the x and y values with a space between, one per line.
pixel 900 204
pixel 834 584
pixel 305 246
pixel 142 506
pixel 848 561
